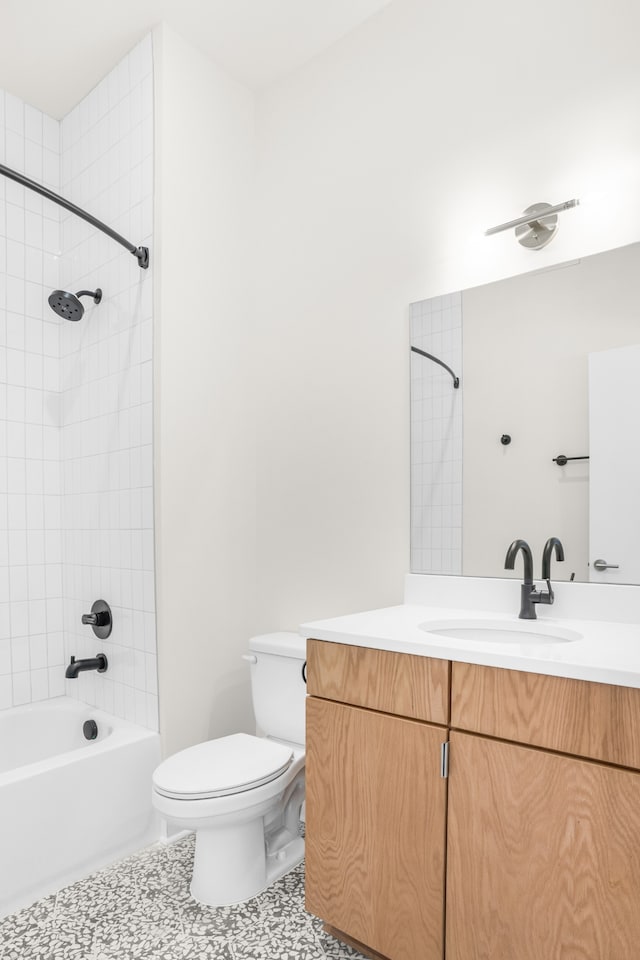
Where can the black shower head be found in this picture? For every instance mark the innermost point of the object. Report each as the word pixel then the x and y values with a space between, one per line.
pixel 68 306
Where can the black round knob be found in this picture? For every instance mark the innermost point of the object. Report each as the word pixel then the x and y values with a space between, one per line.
pixel 90 729
pixel 505 439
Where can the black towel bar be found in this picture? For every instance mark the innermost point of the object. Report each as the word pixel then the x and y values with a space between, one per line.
pixel 561 459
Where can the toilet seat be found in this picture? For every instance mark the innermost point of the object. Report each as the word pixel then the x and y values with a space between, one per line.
pixel 219 768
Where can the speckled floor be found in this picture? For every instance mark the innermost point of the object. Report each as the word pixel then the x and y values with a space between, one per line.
pixel 141 908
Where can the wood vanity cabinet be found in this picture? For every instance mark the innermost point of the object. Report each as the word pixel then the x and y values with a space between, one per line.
pixel 376 801
pixel 539 818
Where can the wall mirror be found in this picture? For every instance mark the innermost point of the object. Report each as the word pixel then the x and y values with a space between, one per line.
pixel 549 367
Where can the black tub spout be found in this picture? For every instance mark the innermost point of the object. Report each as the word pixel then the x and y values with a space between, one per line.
pixel 98 663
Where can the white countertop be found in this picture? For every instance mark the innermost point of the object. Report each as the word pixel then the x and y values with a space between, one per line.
pixel 606 652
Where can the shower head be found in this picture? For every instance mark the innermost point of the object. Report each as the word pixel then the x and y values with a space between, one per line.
pixel 68 306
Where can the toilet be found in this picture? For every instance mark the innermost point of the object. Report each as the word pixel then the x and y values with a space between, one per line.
pixel 242 794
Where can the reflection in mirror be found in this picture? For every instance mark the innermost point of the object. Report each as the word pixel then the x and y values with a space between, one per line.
pixel 550 359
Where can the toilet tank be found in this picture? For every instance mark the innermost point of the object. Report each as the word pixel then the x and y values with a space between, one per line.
pixel 278 687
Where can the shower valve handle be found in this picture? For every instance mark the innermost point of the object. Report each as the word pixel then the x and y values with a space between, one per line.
pixel 100 619
pixel 96 619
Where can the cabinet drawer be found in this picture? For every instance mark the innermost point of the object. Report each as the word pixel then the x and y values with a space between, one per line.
pixel 399 683
pixel 595 720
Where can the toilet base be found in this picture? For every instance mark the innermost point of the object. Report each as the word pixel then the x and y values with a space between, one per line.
pixel 231 866
pixel 244 841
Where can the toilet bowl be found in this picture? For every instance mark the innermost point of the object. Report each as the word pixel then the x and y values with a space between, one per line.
pixel 242 794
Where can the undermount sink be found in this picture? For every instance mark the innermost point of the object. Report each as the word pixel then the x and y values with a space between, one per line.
pixel 500 631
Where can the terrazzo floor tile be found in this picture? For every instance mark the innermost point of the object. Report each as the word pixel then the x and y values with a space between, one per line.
pixel 141 909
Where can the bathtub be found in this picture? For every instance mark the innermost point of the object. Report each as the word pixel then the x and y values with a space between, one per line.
pixel 69 805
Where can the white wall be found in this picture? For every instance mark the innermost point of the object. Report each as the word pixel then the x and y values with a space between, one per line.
pixel 380 165
pixel 205 462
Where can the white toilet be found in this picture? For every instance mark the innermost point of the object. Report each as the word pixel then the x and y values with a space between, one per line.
pixel 242 794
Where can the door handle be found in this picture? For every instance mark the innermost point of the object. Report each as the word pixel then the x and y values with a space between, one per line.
pixel 603 565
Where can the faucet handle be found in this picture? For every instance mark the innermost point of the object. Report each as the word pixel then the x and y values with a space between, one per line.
pixel 100 619
pixel 547 597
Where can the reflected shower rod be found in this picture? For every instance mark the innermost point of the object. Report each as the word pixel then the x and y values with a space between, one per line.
pixel 441 363
pixel 140 253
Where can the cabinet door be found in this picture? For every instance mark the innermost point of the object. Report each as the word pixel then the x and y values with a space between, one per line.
pixel 543 855
pixel 375 843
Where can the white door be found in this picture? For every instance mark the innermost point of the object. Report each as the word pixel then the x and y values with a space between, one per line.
pixel 614 465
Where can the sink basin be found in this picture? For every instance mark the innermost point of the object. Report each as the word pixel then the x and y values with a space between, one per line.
pixel 500 631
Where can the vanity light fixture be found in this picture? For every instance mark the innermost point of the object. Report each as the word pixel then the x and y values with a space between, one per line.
pixel 538 224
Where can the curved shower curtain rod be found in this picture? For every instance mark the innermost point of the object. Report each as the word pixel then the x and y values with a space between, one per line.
pixel 141 253
pixel 430 356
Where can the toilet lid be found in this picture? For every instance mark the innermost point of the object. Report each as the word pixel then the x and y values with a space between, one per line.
pixel 220 767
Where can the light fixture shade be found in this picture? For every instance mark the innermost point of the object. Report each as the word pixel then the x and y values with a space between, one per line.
pixel 538 224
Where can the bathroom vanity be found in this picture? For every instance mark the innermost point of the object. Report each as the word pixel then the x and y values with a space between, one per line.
pixel 469 801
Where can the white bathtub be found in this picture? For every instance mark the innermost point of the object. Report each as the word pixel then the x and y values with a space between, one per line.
pixel 69 805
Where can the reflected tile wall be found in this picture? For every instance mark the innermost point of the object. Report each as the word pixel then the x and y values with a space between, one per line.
pixel 436 437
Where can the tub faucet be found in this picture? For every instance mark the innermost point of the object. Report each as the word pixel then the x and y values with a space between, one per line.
pixel 98 663
pixel 529 596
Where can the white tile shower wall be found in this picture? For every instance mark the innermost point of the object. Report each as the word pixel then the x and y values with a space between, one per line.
pixel 436 437
pixel 106 391
pixel 31 617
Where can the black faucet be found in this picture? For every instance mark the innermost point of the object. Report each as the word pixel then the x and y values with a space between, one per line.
pixel 529 596
pixel 99 663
